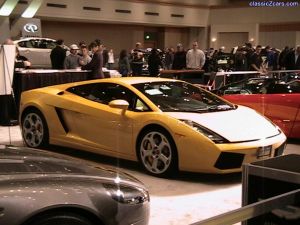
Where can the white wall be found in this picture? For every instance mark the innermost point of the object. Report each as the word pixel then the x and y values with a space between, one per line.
pixel 232 39
pixel 250 15
pixel 196 17
pixel 278 39
pixel 251 29
pixel 247 19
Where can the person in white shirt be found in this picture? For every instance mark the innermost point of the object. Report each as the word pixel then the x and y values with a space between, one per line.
pixel 195 58
pixel 111 59
pixel 85 58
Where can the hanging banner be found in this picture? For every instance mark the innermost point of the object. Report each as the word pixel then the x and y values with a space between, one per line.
pixel 7 63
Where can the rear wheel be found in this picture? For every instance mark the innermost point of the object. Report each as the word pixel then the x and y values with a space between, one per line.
pixel 157 153
pixel 61 219
pixel 34 129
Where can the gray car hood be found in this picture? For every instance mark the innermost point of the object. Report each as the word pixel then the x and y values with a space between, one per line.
pixel 22 160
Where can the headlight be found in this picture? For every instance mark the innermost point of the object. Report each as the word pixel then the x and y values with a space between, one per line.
pixel 208 133
pixel 127 194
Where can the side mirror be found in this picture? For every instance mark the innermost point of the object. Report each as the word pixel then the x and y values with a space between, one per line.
pixel 119 104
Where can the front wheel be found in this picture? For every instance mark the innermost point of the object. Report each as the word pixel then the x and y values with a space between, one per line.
pixel 35 129
pixel 61 219
pixel 157 153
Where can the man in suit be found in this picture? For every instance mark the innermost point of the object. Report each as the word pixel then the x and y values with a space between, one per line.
pixel 292 59
pixel 58 55
pixel 95 64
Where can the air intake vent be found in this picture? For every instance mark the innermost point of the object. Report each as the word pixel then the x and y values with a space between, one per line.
pixel 177 15
pixel 91 8
pixel 24 2
pixel 122 11
pixel 56 5
pixel 151 14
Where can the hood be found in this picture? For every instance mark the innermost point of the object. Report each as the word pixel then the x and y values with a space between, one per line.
pixel 22 160
pixel 241 124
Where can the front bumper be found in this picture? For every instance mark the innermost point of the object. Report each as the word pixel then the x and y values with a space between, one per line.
pixel 196 156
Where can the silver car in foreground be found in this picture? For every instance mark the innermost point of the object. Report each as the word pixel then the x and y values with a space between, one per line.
pixel 43 188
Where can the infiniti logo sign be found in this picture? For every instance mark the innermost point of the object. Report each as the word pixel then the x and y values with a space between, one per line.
pixel 30 27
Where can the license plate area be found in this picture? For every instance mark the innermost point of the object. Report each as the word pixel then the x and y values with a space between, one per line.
pixel 264 151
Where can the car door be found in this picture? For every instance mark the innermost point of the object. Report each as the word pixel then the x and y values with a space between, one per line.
pixel 283 107
pixel 30 49
pixel 102 126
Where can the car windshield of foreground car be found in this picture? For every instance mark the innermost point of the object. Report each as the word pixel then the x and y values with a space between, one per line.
pixel 182 97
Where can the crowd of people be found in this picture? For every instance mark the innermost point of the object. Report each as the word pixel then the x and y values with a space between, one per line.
pixel 95 56
pixel 263 59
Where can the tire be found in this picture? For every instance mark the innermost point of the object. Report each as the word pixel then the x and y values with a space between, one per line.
pixel 61 219
pixel 157 153
pixel 35 129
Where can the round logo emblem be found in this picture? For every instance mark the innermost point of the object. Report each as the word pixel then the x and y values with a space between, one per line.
pixel 30 27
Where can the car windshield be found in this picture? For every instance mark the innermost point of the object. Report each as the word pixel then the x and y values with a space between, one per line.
pixel 251 86
pixel 262 86
pixel 175 96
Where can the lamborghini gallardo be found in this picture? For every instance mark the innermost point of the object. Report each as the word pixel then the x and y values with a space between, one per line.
pixel 165 124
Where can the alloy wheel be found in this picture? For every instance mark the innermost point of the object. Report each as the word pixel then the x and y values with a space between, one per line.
pixel 156 152
pixel 33 130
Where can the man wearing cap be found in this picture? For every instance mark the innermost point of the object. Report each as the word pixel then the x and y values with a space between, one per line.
pixel 72 60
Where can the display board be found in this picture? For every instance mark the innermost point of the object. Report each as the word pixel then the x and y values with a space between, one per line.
pixel 7 63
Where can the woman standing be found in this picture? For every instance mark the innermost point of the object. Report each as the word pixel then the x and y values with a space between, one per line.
pixel 111 59
pixel 124 66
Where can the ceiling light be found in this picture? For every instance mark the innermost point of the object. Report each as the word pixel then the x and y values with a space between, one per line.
pixel 32 9
pixel 8 7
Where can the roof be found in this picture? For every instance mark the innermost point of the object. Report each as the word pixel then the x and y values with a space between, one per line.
pixel 122 80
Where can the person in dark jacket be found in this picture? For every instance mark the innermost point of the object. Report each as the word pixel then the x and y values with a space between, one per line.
pixel 292 59
pixel 58 55
pixel 124 65
pixel 179 61
pixel 282 56
pixel 94 64
pixel 154 63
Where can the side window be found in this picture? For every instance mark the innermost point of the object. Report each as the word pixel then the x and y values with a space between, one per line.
pixel 43 44
pixel 34 43
pixel 106 92
pixel 26 44
pixel 278 89
pixel 50 44
pixel 22 44
pixel 82 90
pixel 141 106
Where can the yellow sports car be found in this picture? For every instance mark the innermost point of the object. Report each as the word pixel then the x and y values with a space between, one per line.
pixel 164 124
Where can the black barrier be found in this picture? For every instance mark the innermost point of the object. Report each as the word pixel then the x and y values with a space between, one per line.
pixel 270 194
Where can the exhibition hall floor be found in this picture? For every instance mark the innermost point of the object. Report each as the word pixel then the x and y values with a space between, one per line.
pixel 184 199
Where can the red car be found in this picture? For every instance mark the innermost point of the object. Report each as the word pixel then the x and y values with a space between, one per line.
pixel 277 100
